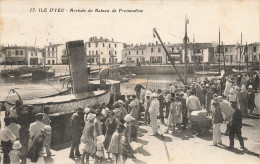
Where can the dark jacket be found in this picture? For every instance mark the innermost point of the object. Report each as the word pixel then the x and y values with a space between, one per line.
pixel 237 119
pixel 217 116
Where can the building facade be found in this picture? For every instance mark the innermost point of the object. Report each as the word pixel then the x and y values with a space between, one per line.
pixel 36 56
pixel 253 53
pixel 17 54
pixel 54 54
pixel 103 51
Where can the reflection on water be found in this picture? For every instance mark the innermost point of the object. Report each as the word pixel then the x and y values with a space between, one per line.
pixel 151 82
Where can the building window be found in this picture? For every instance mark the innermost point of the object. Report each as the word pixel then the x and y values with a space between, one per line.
pixel 93 53
pixel 89 52
pixel 36 54
pixel 115 60
pixel 49 62
pixel 159 59
pixel 129 53
pixel 177 48
pixel 16 52
pixel 48 48
pixel 142 52
pixel 96 44
pixel 104 60
pixel 103 44
pixel 109 45
pixel 21 52
pixel 137 52
pixel 226 49
pixel 115 52
pixel 254 49
pixel 151 50
pixel 159 49
pixel 96 52
pixel 31 53
pixel 9 53
pixel 115 45
pixel 48 54
pixel 88 44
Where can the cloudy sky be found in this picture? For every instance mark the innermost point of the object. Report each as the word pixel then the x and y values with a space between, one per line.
pixel 20 26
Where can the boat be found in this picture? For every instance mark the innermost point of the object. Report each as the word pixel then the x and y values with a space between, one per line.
pixel 22 70
pixel 66 103
pixel 207 73
pixel 84 93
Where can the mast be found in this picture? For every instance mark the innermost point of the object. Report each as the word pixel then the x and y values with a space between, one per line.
pixel 170 58
pixel 246 55
pixel 219 51
pixel 224 58
pixel 240 53
pixel 185 48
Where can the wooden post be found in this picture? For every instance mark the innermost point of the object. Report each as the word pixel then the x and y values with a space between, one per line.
pixel 219 51
pixel 224 57
pixel 78 66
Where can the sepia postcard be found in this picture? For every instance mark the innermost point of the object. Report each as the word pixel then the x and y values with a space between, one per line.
pixel 148 77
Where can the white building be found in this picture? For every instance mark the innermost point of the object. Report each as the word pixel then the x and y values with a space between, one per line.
pixel 103 51
pixel 2 57
pixel 54 53
pixel 35 56
pixel 17 54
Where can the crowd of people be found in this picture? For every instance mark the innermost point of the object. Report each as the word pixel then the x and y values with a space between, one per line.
pixel 107 134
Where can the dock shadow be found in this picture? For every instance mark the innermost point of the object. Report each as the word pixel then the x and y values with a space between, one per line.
pixel 247 125
pixel 137 161
pixel 141 130
pixel 143 142
pixel 164 138
pixel 253 116
pixel 234 150
pixel 142 151
pixel 184 135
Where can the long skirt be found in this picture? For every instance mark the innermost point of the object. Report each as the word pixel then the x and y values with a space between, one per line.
pixel 107 141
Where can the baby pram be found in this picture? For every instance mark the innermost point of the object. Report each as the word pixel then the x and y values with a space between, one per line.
pixel 200 122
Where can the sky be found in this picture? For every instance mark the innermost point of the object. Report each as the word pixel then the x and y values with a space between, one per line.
pixel 21 27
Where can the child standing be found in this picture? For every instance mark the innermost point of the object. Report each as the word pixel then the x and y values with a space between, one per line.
pixel 15 154
pixel 88 138
pixel 100 149
pixel 115 146
pixel 135 124
pixel 47 140
pixel 172 117
pixel 146 106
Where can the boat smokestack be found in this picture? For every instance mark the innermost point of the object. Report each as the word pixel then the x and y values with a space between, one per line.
pixel 78 66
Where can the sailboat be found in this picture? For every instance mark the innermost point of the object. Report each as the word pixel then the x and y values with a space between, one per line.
pixel 84 93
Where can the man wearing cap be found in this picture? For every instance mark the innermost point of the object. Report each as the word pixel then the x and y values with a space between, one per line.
pixel 193 102
pixel 243 99
pixel 153 110
pixel 124 111
pixel 76 131
pixel 251 99
pixel 161 100
pixel 235 127
pixel 7 138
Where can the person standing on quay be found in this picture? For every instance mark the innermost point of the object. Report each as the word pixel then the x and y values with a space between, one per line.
pixel 251 99
pixel 76 131
pixel 243 99
pixel 161 100
pixel 172 90
pixel 153 110
pixel 193 103
pixel 46 120
pixel 235 127
pixel 217 120
pixel 7 138
pixel 227 111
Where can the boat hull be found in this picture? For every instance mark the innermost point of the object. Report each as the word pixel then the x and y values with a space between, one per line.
pixel 64 106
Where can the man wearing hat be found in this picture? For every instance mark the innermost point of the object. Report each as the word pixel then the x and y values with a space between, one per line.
pixel 76 132
pixel 235 127
pixel 138 88
pixel 161 100
pixel 153 110
pixel 15 153
pixel 172 90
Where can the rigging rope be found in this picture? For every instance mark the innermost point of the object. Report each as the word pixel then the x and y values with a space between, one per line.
pixel 169 33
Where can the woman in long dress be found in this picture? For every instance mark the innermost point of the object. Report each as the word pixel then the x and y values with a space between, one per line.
pixel 88 138
pixel 111 125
